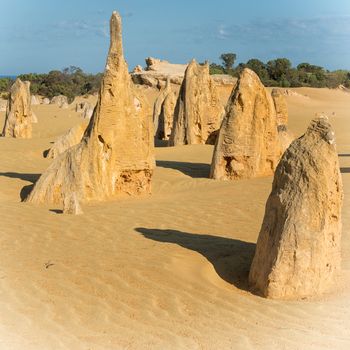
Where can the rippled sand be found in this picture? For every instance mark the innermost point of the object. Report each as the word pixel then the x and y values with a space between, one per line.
pixel 167 271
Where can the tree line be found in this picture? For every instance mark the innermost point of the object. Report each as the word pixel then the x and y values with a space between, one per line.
pixel 279 72
pixel 70 81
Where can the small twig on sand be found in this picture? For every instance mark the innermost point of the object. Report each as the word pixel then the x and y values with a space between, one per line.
pixel 48 264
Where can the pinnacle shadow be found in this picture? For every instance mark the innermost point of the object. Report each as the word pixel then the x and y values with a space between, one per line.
pixel 231 258
pixel 33 178
pixel 194 170
pixel 343 155
pixel 345 170
pixel 56 211
pixel 160 143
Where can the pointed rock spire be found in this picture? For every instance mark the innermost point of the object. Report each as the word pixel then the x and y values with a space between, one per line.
pixel 115 155
pixel 247 145
pixel 198 112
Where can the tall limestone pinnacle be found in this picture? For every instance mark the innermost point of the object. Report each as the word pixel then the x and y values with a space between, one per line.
pixel 163 112
pixel 19 115
pixel 280 103
pixel 298 249
pixel 247 145
pixel 115 155
pixel 198 112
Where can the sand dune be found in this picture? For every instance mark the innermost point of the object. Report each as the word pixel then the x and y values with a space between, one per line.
pixel 167 271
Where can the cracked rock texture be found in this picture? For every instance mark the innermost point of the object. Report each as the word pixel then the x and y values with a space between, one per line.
pixel 115 155
pixel 198 112
pixel 19 115
pixel 247 145
pixel 298 253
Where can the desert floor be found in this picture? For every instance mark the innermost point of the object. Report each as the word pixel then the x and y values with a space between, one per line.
pixel 166 271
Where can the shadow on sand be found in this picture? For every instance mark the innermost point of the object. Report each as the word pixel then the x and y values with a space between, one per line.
pixel 343 155
pixel 345 170
pixel 160 143
pixel 231 258
pixel 33 178
pixel 195 170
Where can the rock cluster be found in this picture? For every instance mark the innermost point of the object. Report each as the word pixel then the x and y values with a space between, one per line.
pixel 298 249
pixel 157 72
pixel 19 115
pixel 247 145
pixel 198 112
pixel 115 155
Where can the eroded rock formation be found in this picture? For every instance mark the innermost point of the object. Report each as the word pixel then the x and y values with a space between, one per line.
pixel 280 103
pixel 158 72
pixel 34 100
pixel 163 112
pixel 60 100
pixel 115 155
pixel 85 108
pixel 19 115
pixel 69 139
pixel 34 118
pixel 71 205
pixel 298 249
pixel 3 105
pixel 247 145
pixel 198 112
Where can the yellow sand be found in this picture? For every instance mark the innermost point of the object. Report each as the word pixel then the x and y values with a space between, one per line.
pixel 167 271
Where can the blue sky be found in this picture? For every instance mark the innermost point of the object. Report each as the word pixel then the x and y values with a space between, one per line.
pixel 41 35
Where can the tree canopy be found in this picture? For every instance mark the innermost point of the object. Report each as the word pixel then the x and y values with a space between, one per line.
pixel 280 72
pixel 70 81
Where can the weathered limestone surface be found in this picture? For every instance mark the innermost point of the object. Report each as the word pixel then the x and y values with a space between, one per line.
pixel 69 139
pixel 198 112
pixel 166 118
pixel 71 205
pixel 247 145
pixel 60 100
pixel 298 249
pixel 19 115
pixel 163 112
pixel 115 155
pixel 137 69
pixel 224 79
pixel 87 114
pixel 85 108
pixel 3 105
pixel 81 106
pixel 158 72
pixel 34 100
pixel 34 118
pixel 280 103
